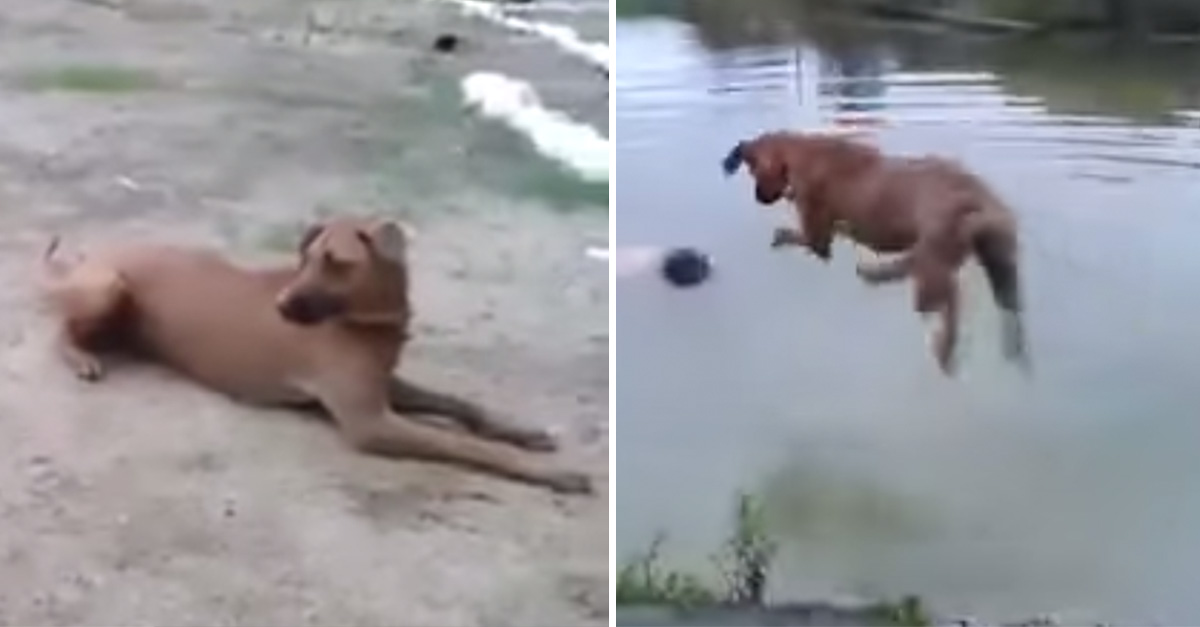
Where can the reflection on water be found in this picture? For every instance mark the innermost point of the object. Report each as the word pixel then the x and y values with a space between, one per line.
pixel 993 496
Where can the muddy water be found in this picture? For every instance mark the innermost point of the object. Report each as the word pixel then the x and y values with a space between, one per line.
pixel 1076 491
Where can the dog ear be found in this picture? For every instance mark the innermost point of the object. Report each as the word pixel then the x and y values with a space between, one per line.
pixel 388 239
pixel 734 159
pixel 310 234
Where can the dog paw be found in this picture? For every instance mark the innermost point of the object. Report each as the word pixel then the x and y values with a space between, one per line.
pixel 534 440
pixel 570 482
pixel 529 439
pixel 782 237
pixel 88 369
pixel 947 360
pixel 869 273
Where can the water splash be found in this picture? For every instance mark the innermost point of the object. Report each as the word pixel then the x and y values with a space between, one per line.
pixel 514 102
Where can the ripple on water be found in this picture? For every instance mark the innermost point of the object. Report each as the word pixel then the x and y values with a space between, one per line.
pixel 673 74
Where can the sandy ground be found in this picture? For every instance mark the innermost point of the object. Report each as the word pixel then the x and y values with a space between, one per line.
pixel 145 500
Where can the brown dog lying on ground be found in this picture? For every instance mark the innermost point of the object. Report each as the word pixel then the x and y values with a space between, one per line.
pixel 931 210
pixel 328 332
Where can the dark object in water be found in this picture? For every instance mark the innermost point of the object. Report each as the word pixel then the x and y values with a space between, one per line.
pixel 446 43
pixel 686 267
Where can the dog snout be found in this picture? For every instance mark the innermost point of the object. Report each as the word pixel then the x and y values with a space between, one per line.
pixel 767 195
pixel 309 308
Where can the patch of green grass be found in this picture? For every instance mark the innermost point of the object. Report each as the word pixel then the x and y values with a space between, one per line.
pixel 503 159
pixel 92 78
pixel 821 504
pixel 744 565
pixel 909 611
pixel 645 581
pixel 745 559
pixel 560 187
pixel 434 146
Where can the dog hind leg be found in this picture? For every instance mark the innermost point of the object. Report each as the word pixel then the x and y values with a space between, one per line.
pixel 995 248
pixel 367 423
pixel 406 397
pixel 936 290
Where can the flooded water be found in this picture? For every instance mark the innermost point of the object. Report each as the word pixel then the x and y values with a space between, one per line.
pixel 1076 491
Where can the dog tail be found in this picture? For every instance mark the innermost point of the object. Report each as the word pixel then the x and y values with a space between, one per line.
pixel 995 247
pixel 735 158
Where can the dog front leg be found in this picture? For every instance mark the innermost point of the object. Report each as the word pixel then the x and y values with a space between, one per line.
pixel 406 397
pixel 368 425
pixel 818 224
pixel 85 364
pixel 787 236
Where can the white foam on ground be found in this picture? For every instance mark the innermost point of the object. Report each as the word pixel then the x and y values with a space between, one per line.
pixel 597 253
pixel 564 37
pixel 553 134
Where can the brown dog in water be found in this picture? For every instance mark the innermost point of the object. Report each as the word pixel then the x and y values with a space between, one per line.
pixel 931 210
pixel 327 332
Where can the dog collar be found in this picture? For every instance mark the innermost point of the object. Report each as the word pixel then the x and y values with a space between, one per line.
pixel 392 318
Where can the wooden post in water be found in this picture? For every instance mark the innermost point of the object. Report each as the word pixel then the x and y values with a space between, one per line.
pixel 808 87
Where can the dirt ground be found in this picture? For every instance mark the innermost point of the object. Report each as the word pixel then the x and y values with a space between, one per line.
pixel 145 500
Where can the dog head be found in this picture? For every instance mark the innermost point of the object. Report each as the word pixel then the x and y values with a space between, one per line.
pixel 352 270
pixel 780 160
pixel 764 158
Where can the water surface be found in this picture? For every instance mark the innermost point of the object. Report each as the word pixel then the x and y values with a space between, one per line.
pixel 1075 492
